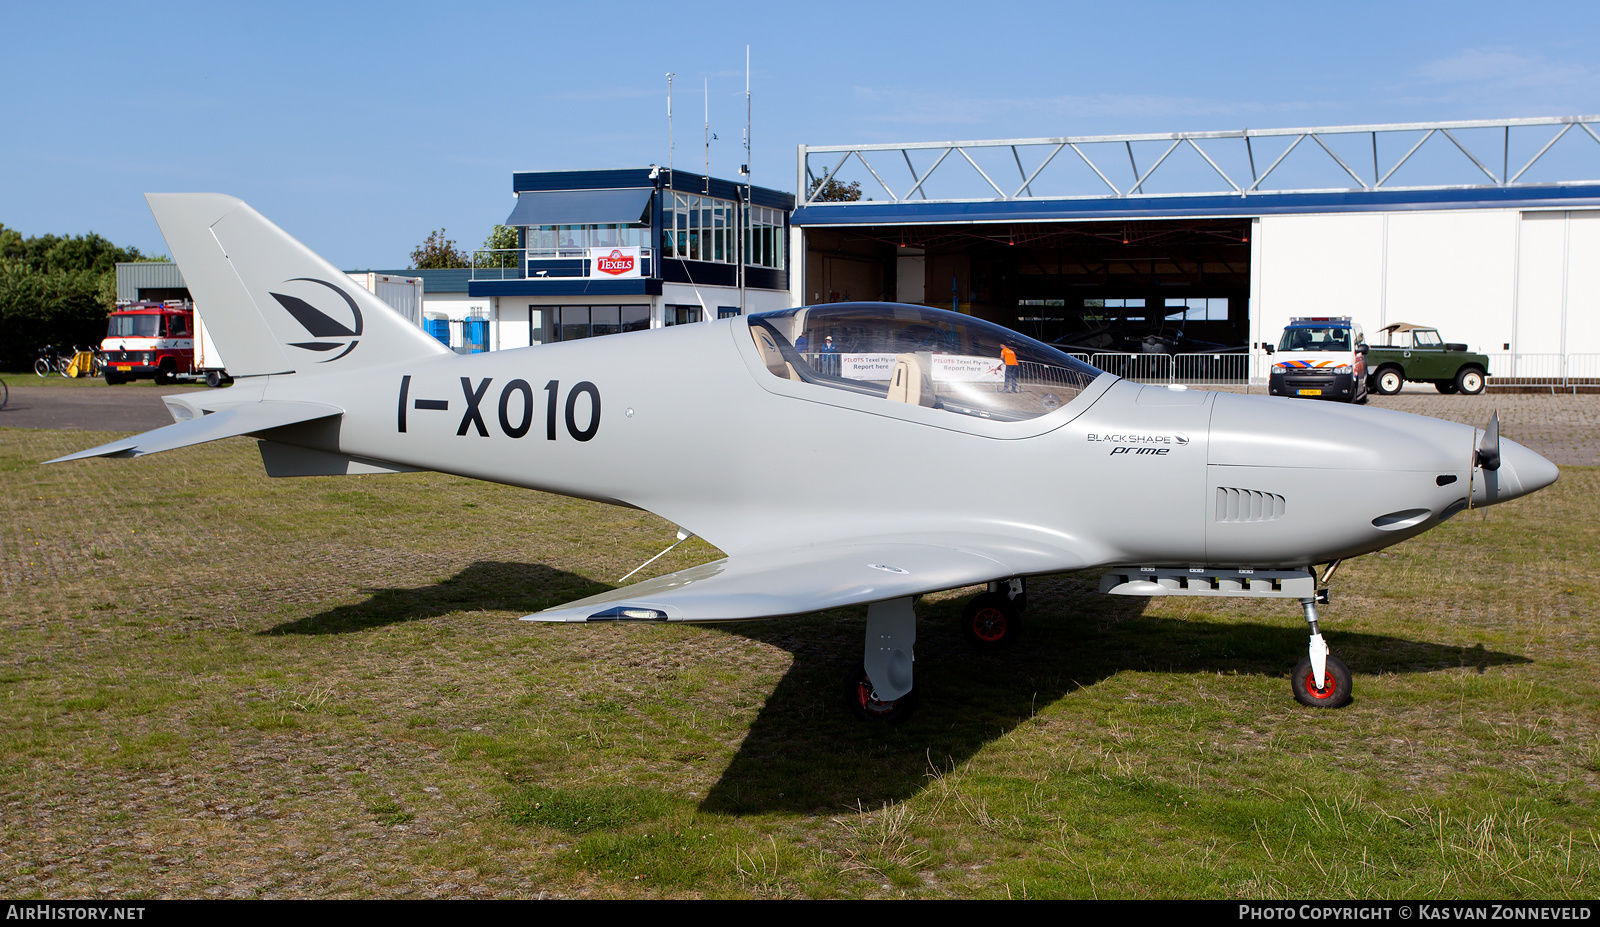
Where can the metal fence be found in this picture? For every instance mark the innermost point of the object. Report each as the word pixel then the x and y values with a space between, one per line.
pixel 1544 371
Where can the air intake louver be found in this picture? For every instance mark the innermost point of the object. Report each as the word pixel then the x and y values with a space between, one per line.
pixel 1246 505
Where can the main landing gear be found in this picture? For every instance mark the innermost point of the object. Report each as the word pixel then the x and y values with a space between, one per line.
pixel 881 688
pixel 993 619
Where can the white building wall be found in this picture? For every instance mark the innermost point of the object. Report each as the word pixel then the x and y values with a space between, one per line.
pixel 1488 278
pixel 1541 269
pixel 1582 316
pixel 1455 271
pixel 1317 265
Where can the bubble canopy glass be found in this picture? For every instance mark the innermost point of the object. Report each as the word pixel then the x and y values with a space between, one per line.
pixel 920 356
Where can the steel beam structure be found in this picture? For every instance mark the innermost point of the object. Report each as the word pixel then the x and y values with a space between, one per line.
pixel 832 158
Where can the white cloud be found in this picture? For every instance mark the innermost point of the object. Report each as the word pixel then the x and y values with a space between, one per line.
pixel 1503 67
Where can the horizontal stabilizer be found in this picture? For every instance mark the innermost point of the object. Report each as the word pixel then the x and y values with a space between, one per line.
pixel 788 582
pixel 223 423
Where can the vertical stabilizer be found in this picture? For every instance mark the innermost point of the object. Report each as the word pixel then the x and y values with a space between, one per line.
pixel 271 304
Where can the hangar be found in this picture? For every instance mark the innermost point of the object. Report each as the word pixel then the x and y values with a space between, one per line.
pixel 1209 241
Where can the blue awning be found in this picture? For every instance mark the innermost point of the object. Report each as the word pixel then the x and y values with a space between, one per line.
pixel 581 207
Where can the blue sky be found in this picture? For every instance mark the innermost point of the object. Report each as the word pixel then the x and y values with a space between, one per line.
pixel 361 127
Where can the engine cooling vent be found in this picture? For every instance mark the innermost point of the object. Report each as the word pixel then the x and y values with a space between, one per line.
pixel 1247 505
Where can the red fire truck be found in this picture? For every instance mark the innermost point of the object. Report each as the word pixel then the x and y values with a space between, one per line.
pixel 149 340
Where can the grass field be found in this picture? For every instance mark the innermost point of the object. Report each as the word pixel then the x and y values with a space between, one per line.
pixel 216 684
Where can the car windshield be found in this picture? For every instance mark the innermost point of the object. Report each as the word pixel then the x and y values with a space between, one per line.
pixel 920 356
pixel 1426 338
pixel 140 325
pixel 1315 339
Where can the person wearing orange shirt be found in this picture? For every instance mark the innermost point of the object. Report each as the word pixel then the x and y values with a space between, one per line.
pixel 1009 357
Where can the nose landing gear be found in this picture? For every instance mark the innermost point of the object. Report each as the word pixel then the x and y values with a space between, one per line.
pixel 1319 680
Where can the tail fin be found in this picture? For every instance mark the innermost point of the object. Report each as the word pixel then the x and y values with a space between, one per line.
pixel 271 304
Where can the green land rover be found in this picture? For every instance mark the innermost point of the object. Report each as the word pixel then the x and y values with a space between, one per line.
pixel 1417 353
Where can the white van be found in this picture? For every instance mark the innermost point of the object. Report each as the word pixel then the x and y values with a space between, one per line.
pixel 1321 358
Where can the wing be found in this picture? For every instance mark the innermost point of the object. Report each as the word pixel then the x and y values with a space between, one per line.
pixel 787 582
pixel 224 423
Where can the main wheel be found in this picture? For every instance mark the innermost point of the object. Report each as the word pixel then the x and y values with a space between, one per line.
pixel 1389 381
pixel 1335 692
pixel 167 373
pixel 1469 380
pixel 114 379
pixel 42 367
pixel 990 620
pixel 858 692
pixel 213 378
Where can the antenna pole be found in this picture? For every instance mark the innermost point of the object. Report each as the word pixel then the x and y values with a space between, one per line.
pixel 708 138
pixel 747 219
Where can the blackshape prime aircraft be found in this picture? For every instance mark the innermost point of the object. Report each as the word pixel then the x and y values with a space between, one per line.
pixel 910 456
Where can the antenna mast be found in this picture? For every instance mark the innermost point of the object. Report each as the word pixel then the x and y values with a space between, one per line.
pixel 669 130
pixel 747 220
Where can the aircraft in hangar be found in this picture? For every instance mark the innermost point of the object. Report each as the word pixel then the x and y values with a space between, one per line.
pixel 841 454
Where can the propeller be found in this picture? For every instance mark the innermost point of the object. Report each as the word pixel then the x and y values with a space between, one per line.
pixel 1488 455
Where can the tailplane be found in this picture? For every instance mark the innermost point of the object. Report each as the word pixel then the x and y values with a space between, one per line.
pixel 270 303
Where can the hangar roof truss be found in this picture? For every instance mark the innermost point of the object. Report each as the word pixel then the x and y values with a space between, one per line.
pixel 1245 162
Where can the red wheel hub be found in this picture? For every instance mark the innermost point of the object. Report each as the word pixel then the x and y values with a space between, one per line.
pixel 1324 693
pixel 868 703
pixel 989 624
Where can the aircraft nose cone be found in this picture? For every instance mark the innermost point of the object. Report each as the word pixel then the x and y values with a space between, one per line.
pixel 1531 470
pixel 1521 471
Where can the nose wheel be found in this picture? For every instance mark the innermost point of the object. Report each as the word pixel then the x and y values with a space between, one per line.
pixel 1319 680
pixel 1334 691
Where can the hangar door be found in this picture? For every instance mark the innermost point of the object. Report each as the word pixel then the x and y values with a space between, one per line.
pixel 1163 285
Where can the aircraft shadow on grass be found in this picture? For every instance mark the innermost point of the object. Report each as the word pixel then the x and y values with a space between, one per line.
pixel 806 753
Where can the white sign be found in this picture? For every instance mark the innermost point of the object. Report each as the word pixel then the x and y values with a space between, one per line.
pixel 614 262
pixel 866 366
pixel 966 369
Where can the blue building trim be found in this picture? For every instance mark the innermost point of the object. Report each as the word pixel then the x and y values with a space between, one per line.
pixel 566 286
pixel 541 181
pixel 1210 206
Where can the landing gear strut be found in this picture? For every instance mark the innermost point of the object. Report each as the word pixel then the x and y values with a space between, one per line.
pixel 881 688
pixel 1319 680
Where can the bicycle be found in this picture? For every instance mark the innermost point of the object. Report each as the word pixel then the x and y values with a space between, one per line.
pixel 51 360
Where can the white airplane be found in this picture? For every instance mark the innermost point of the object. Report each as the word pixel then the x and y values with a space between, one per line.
pixel 924 450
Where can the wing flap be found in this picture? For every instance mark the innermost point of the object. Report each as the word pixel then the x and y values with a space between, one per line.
pixel 787 582
pixel 227 422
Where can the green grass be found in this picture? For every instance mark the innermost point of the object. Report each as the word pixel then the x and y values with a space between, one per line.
pixel 220 684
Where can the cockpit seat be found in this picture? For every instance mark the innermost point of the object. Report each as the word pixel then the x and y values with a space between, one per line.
pixel 909 382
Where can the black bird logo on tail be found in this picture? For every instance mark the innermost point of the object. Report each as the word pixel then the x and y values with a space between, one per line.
pixel 321 325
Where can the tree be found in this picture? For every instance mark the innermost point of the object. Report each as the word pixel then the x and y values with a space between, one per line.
pixel 437 252
pixel 834 192
pixel 502 241
pixel 55 289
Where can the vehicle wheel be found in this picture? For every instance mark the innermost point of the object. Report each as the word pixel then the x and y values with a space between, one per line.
pixel 5 394
pixel 166 374
pixel 990 621
pixel 858 692
pixel 1389 381
pixel 42 367
pixel 1448 387
pixel 1336 692
pixel 213 378
pixel 1469 380
pixel 114 379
